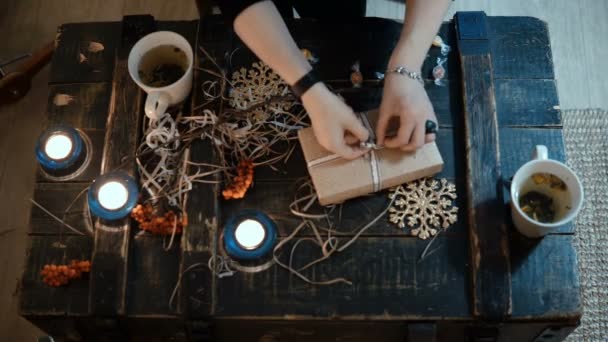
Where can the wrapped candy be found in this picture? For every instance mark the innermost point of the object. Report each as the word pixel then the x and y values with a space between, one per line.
pixel 439 71
pixel 445 48
pixel 309 56
pixel 356 77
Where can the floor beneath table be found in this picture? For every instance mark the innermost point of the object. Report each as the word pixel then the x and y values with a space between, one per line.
pixel 578 30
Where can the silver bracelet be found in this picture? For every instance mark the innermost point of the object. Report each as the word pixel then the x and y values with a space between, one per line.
pixel 405 72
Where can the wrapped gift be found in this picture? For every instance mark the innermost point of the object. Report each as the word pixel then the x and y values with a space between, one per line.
pixel 337 179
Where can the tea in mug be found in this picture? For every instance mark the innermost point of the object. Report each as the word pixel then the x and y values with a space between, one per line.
pixel 545 198
pixel 162 66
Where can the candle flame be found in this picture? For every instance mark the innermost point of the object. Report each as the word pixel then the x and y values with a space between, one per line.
pixel 58 146
pixel 250 234
pixel 112 195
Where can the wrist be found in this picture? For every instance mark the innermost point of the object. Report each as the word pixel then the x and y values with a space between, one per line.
pixel 312 96
pixel 304 83
pixel 404 55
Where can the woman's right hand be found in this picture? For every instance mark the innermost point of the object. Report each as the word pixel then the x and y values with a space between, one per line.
pixel 335 125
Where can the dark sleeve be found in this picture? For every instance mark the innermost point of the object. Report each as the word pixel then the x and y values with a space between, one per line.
pixel 232 8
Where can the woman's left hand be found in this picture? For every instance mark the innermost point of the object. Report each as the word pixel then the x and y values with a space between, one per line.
pixel 406 100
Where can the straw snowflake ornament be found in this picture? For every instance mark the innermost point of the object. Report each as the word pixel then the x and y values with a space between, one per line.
pixel 425 206
pixel 256 85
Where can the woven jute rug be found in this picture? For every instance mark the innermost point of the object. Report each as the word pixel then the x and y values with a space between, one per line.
pixel 586 141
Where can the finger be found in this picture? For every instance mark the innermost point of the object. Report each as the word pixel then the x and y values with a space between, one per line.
pixel 356 128
pixel 403 136
pixel 348 152
pixel 429 138
pixel 383 119
pixel 417 139
pixel 350 139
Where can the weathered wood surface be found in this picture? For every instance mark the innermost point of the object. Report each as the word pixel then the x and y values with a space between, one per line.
pixel 85 52
pixel 527 102
pixel 545 278
pixel 80 105
pixel 153 271
pixel 389 280
pixel 487 229
pixel 199 238
pixel 55 198
pixel 110 252
pixel 520 48
pixel 39 299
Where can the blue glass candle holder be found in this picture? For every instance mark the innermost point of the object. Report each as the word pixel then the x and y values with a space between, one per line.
pixel 59 148
pixel 113 195
pixel 249 235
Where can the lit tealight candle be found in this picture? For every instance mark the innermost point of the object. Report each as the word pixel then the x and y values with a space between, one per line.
pixel 58 146
pixel 112 195
pixel 60 150
pixel 250 234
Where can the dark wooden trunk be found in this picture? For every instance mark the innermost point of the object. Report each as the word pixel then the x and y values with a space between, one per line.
pixel 482 282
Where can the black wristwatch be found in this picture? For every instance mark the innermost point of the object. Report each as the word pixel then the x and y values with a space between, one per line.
pixel 305 83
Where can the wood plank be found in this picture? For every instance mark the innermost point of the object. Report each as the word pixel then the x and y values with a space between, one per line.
pixel 199 238
pixel 153 271
pixel 516 146
pixel 39 299
pixel 528 102
pixel 488 239
pixel 520 48
pixel 55 197
pixel 110 253
pixel 545 280
pixel 73 60
pixel 388 282
pixel 199 241
pixel 83 106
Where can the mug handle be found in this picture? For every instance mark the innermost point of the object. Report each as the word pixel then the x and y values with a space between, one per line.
pixel 540 152
pixel 156 104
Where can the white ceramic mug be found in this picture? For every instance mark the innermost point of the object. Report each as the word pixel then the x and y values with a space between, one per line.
pixel 567 203
pixel 160 98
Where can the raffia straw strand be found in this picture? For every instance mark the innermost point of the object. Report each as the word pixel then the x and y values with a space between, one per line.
pixel 56 218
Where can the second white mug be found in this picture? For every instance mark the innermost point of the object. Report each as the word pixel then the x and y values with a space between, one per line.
pixel 567 204
pixel 160 98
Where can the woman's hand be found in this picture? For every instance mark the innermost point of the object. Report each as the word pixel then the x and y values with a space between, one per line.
pixel 405 100
pixel 335 125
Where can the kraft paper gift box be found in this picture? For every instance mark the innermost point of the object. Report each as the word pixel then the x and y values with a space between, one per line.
pixel 336 179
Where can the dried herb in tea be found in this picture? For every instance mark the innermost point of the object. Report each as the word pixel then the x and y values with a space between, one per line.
pixel 538 206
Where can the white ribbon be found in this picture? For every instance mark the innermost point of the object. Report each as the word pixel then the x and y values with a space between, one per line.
pixel 373 159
